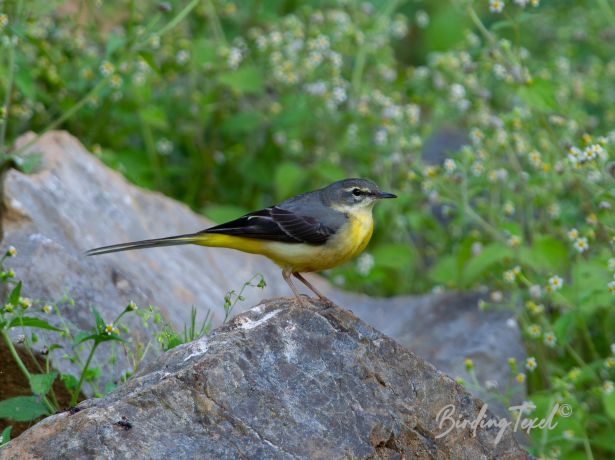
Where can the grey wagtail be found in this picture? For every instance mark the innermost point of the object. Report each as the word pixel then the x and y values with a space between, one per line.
pixel 307 233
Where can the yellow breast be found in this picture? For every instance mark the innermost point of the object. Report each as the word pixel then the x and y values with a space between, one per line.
pixel 349 241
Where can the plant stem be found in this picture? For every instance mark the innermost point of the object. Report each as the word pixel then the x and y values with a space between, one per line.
pixel 216 25
pixel 4 119
pixel 23 367
pixel 178 18
pixel 75 395
pixel 588 449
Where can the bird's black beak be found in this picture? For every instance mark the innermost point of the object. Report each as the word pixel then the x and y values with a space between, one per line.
pixel 381 195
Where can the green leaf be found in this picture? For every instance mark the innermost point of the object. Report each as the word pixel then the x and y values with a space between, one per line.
pixel 148 57
pixel 114 43
pixel 444 271
pixel 508 23
pixel 154 116
pixel 6 435
pixel 40 384
pixel 604 440
pixel 446 29
pixel 478 265
pixel 539 95
pixel 100 323
pixel 609 403
pixel 563 327
pixel 15 294
pixel 393 256
pixel 247 79
pixel 92 373
pixel 588 288
pixel 242 123
pixel 547 253
pixel 288 179
pixel 70 381
pixel 23 408
pixel 81 337
pixel 24 81
pixel 220 213
pixel 109 338
pixel 28 321
pixel 205 51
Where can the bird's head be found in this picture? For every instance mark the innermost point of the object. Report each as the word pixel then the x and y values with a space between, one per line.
pixel 354 194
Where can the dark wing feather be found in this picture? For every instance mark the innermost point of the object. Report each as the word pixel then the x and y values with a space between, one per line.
pixel 276 224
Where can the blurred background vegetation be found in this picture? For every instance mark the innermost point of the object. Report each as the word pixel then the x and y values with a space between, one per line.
pixel 492 121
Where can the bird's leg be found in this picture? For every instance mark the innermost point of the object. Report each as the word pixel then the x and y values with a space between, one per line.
pixel 300 277
pixel 286 275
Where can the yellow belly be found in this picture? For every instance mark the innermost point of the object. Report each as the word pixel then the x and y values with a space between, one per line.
pixel 349 241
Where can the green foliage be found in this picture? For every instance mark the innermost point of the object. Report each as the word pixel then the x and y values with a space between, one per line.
pixel 6 435
pixel 230 108
pixel 232 297
pixel 169 338
pixel 23 408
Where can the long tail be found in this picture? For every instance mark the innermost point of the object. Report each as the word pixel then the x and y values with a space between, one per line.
pixel 169 241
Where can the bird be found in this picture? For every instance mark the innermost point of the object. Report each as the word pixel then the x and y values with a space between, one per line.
pixel 310 232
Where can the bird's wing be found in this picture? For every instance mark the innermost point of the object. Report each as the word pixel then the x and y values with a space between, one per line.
pixel 276 224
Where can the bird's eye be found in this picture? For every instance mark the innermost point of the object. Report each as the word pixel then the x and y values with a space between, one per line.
pixel 357 192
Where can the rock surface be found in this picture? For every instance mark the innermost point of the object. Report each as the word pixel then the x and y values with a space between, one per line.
pixel 73 203
pixel 277 382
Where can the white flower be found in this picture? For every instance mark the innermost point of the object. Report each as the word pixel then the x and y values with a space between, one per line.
pixel 234 57
pixel 581 244
pixel 318 88
pixel 573 234
pixel 449 165
pixel 575 155
pixel 164 146
pixel 535 291
pixel 531 364
pixel 509 208
pixel 106 68
pixel 365 263
pixel 476 248
pixel 339 94
pixel 399 28
pixel 607 387
pixel 422 19
pixel 457 91
pixel 555 283
pixel 476 136
pixel 381 136
pixel 595 151
pixel 182 57
pixel 549 339
pixel 496 6
pixel 534 330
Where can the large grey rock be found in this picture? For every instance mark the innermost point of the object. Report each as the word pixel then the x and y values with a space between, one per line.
pixel 277 382
pixel 73 203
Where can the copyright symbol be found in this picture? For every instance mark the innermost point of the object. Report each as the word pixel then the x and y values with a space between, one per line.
pixel 565 410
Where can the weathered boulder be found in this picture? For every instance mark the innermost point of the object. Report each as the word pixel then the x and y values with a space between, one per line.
pixel 279 381
pixel 73 203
